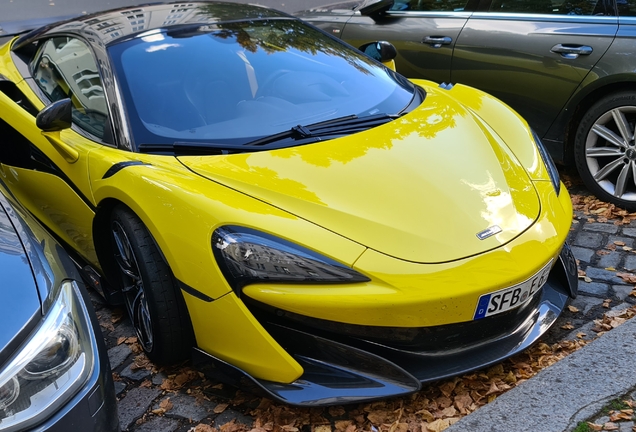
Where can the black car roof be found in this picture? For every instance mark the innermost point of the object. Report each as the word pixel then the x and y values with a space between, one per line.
pixel 108 27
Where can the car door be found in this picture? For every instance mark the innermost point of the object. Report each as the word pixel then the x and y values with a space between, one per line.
pixel 423 31
pixel 533 54
pixel 48 171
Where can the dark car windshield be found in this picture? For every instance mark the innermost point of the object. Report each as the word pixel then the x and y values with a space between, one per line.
pixel 236 82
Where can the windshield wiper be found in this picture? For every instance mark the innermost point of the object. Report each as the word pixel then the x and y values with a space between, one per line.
pixel 327 129
pixel 296 135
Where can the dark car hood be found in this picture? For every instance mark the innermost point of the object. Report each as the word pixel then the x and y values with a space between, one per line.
pixel 20 305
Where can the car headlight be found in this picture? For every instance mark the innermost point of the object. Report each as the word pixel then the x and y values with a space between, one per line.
pixel 549 164
pixel 51 367
pixel 248 256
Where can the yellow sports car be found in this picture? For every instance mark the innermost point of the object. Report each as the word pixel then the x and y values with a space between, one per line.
pixel 295 215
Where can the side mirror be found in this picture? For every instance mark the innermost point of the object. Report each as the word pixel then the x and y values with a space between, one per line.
pixel 375 7
pixel 56 116
pixel 381 51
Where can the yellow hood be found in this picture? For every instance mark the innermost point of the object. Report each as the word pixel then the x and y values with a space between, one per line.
pixel 419 188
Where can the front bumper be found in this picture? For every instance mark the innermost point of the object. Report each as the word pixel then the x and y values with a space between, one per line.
pixel 341 366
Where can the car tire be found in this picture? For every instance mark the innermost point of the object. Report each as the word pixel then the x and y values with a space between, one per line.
pixel 605 152
pixel 151 296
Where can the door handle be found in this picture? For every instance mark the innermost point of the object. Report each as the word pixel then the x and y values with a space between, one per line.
pixel 437 41
pixel 571 51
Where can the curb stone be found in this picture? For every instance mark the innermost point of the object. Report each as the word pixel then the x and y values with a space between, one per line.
pixel 569 391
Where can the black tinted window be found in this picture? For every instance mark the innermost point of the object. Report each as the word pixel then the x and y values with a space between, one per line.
pixel 65 68
pixel 626 7
pixel 553 7
pixel 429 5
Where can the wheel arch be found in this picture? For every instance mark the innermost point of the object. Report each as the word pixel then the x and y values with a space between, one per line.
pixel 584 101
pixel 101 238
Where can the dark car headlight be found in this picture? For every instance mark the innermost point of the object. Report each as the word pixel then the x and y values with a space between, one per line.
pixel 549 164
pixel 248 256
pixel 51 366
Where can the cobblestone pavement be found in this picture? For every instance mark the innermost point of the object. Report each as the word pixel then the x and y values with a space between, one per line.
pixel 177 399
pixel 604 251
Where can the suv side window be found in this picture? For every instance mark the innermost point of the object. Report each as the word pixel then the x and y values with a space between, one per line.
pixel 429 5
pixel 553 7
pixel 626 7
pixel 64 67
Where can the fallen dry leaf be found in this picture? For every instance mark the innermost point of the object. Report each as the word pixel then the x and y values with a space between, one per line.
pixel 450 411
pixel 617 321
pixel 343 425
pixel 203 428
pixel 627 277
pixel 591 205
pixel 220 408
pixel 621 416
pixel 572 309
pixel 166 405
pixel 232 426
pixel 399 427
pixel 438 425
pixel 141 362
pixel 426 415
pixel 336 411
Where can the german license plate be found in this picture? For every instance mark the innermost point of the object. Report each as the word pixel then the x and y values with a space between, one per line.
pixel 510 298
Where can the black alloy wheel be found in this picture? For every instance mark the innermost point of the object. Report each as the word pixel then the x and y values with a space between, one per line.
pixel 151 296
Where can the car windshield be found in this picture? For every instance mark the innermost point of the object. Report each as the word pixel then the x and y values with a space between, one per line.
pixel 236 82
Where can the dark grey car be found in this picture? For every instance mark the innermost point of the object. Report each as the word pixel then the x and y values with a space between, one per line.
pixel 54 370
pixel 567 66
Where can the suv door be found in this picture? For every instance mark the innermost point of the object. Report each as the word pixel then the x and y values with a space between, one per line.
pixel 423 31
pixel 532 54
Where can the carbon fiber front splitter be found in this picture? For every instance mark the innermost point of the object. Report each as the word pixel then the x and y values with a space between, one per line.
pixel 334 374
pixel 350 370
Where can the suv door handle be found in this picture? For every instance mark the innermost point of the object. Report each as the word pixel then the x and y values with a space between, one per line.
pixel 571 51
pixel 437 41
